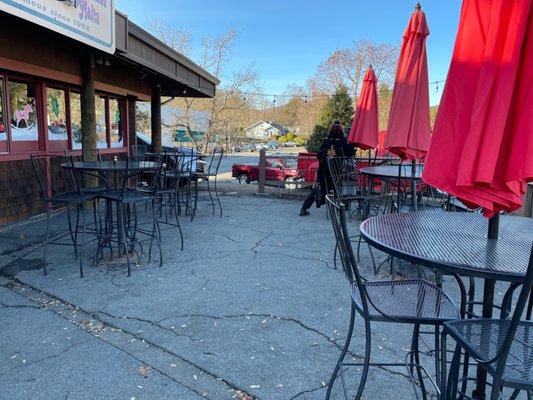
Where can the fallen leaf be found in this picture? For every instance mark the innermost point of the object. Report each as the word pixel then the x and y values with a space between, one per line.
pixel 144 370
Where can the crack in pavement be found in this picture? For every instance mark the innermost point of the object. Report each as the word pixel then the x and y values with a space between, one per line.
pixel 147 321
pixel 259 315
pixel 22 288
pixel 45 358
pixel 4 305
pixel 307 391
pixel 260 243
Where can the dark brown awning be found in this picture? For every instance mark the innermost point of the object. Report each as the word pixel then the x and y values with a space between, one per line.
pixel 180 76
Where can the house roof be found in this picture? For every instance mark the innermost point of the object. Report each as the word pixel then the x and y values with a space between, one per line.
pixel 271 123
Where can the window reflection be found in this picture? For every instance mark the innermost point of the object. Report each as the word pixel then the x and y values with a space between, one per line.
pixel 75 119
pixel 115 119
pixel 24 124
pixel 101 131
pixel 56 114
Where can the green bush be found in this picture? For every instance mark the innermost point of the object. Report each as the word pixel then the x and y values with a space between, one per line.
pixel 300 141
pixel 288 137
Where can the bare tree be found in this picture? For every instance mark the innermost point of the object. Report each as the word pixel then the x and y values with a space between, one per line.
pixel 224 108
pixel 348 66
pixel 177 39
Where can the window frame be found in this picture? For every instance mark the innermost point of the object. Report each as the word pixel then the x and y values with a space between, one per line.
pixel 57 145
pixel 30 146
pixel 5 111
pixel 17 150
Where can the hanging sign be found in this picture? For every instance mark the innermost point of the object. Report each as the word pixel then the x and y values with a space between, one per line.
pixel 89 21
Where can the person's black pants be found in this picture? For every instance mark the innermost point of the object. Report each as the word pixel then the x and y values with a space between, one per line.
pixel 308 202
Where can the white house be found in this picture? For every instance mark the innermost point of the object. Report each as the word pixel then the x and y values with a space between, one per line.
pixel 265 130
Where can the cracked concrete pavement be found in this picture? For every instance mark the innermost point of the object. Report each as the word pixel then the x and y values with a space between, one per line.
pixel 251 306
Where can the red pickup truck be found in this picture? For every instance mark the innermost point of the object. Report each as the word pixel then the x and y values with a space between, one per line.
pixel 276 170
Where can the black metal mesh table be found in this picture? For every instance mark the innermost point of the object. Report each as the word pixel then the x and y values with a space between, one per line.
pixel 457 243
pixel 391 172
pixel 113 166
pixel 454 242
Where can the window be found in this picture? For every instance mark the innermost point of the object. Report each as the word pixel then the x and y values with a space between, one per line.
pixel 75 120
pixel 3 130
pixel 101 124
pixel 116 123
pixel 56 114
pixel 22 107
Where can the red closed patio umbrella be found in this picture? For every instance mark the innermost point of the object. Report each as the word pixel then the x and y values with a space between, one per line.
pixel 364 130
pixel 381 151
pixel 482 145
pixel 408 131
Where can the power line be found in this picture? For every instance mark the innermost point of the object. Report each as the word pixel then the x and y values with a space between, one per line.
pixel 307 97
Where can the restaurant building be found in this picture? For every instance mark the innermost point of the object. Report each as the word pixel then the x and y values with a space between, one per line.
pixel 71 73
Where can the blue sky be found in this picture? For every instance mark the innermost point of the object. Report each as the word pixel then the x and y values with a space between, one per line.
pixel 287 39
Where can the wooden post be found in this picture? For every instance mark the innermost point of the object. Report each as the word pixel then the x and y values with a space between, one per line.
pixel 88 108
pixel 262 171
pixel 156 118
pixel 132 123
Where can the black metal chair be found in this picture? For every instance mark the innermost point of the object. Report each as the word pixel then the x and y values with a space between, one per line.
pixel 62 191
pixel 502 347
pixel 125 199
pixel 347 190
pixel 212 172
pixel 167 192
pixel 187 195
pixel 413 301
pixel 139 152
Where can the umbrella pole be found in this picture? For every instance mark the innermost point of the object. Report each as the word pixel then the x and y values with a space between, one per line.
pixel 398 194
pixel 488 300
pixel 494 226
pixel 413 185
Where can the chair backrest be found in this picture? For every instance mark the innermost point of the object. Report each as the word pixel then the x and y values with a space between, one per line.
pixel 214 163
pixel 337 215
pixel 84 155
pixel 343 174
pixel 139 152
pixel 189 159
pixel 174 167
pixel 57 181
pixel 507 340
pixel 40 165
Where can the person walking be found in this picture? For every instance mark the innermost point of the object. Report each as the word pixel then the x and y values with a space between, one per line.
pixel 335 145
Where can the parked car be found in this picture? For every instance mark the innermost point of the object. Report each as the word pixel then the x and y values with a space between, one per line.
pixel 290 144
pixel 272 145
pixel 276 170
pixel 245 147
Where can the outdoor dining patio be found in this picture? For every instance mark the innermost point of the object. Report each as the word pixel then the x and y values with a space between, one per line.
pixel 143 277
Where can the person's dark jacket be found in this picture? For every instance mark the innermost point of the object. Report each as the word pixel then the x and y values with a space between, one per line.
pixel 330 148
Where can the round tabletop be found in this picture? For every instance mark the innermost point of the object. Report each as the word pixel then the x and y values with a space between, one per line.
pixel 111 166
pixel 454 242
pixel 391 172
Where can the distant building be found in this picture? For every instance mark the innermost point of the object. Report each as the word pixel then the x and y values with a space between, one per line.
pixel 265 130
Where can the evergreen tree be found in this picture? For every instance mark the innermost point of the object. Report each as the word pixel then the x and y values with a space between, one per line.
pixel 338 108
pixel 317 137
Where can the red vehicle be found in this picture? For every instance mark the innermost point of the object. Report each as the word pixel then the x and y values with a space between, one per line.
pixel 276 170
